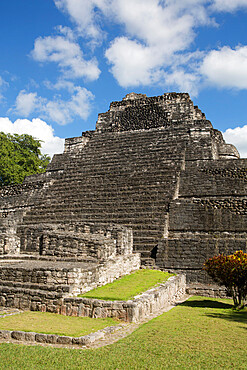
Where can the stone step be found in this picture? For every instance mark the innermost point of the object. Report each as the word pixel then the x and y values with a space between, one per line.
pixel 59 289
pixel 145 254
pixel 21 297
pixel 152 221
pixel 142 158
pixel 121 166
pixel 137 210
pixel 148 262
pixel 32 256
pixel 111 178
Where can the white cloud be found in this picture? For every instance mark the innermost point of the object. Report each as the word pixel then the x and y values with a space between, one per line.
pixel 226 67
pixel 67 32
pixel 155 32
pixel 3 84
pixel 167 24
pixel 85 14
pixel 155 36
pixel 183 80
pixel 67 54
pixel 132 62
pixel 37 128
pixel 158 32
pixel 63 112
pixel 237 137
pixel 25 103
pixel 229 5
pixel 60 85
pixel 57 110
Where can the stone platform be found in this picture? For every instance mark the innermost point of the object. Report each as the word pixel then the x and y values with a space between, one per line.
pixel 55 263
pixel 41 284
pixel 62 302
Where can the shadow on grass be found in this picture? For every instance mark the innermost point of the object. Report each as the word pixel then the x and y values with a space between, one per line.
pixel 230 314
pixel 206 303
pixel 237 316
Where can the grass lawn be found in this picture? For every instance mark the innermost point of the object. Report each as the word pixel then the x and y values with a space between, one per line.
pixel 201 333
pixel 51 323
pixel 128 286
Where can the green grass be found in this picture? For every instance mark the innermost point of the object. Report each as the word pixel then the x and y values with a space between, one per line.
pixel 128 286
pixel 51 323
pixel 201 333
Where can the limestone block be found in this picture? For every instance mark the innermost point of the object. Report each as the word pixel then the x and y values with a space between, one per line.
pixel 86 339
pixel 5 334
pixel 2 301
pixel 41 338
pixel 18 335
pixel 30 337
pixel 76 341
pixel 64 340
pixel 51 338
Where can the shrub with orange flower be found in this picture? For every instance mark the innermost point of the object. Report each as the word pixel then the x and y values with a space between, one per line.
pixel 230 271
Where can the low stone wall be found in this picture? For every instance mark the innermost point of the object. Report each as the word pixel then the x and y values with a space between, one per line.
pixel 133 310
pixel 85 340
pixel 207 290
pixel 79 240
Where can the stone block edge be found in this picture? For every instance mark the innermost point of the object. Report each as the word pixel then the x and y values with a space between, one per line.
pixel 31 337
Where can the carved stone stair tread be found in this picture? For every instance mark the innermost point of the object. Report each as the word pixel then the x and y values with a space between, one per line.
pixel 35 286
pixel 43 265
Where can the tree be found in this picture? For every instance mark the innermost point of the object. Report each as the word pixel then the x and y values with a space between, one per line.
pixel 20 156
pixel 230 271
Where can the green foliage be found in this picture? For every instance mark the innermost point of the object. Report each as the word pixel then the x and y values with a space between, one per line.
pixel 20 156
pixel 51 323
pixel 230 271
pixel 128 286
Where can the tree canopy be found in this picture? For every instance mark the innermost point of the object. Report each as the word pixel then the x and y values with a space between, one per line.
pixel 20 156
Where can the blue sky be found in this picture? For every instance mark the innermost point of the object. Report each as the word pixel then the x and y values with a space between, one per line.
pixel 63 61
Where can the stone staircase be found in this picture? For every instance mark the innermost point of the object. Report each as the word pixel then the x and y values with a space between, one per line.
pixel 126 178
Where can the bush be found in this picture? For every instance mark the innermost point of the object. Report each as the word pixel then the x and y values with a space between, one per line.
pixel 230 271
pixel 20 156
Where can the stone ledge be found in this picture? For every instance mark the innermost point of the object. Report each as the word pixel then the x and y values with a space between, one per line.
pixel 207 290
pixel 57 339
pixel 134 310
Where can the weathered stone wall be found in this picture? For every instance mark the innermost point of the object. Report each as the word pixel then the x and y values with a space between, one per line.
pixel 120 177
pixel 117 179
pixel 208 218
pixel 15 201
pixel 214 178
pixel 208 290
pixel 96 241
pixel 133 310
pixel 137 111
pixel 208 215
pixel 37 284
pixel 187 252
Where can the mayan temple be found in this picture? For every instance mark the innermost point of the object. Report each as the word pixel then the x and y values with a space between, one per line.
pixel 154 185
